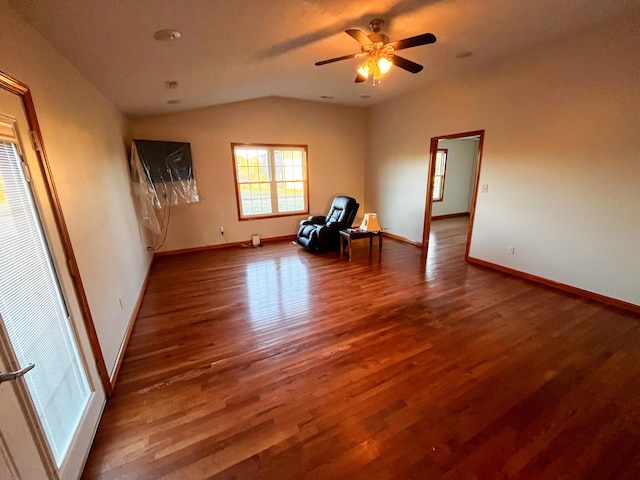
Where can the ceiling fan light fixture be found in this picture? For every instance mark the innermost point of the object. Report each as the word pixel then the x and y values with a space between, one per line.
pixel 365 69
pixel 377 75
pixel 384 64
pixel 379 66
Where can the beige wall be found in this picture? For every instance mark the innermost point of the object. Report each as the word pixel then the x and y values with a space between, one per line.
pixel 333 134
pixel 84 140
pixel 560 158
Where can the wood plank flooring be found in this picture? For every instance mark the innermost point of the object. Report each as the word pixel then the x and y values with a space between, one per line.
pixel 273 363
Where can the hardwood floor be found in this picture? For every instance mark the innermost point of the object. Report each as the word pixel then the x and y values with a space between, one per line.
pixel 274 363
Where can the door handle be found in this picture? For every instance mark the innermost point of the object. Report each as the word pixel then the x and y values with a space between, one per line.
pixel 8 377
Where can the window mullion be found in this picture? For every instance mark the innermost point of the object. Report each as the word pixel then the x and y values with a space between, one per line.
pixel 274 183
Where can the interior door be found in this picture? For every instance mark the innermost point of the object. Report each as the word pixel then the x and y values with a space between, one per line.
pixel 34 442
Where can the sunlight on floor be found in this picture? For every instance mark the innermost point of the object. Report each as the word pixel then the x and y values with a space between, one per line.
pixel 277 288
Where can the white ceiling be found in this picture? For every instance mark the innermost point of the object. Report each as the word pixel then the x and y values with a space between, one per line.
pixel 233 50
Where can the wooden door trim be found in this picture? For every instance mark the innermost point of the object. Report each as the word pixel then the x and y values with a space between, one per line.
pixel 15 86
pixel 433 149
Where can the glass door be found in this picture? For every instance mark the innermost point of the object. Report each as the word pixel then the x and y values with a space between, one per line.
pixel 60 400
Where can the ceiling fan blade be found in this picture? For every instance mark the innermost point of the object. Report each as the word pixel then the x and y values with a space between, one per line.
pixel 424 39
pixel 337 59
pixel 359 35
pixel 405 64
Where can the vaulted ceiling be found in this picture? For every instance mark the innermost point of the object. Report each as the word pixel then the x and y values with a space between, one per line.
pixel 237 50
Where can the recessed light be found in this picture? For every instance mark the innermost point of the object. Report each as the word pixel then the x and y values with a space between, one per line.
pixel 171 84
pixel 173 102
pixel 327 96
pixel 166 35
pixel 465 54
pixel 365 96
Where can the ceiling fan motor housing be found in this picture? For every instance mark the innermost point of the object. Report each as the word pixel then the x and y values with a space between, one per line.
pixel 376 25
pixel 376 37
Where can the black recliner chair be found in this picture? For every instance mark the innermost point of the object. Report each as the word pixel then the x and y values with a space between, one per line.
pixel 321 234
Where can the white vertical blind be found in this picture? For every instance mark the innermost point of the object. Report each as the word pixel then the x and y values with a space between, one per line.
pixel 33 312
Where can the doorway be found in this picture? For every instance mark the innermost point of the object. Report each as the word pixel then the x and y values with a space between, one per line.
pixel 459 198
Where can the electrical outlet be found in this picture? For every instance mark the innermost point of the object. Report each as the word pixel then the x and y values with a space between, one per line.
pixel 511 250
pixel 221 230
pixel 485 188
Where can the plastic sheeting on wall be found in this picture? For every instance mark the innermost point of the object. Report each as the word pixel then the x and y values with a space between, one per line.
pixel 162 176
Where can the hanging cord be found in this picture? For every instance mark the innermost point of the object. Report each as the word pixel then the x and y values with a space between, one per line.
pixel 165 228
pixel 165 225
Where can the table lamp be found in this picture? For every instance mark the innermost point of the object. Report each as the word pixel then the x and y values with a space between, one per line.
pixel 370 223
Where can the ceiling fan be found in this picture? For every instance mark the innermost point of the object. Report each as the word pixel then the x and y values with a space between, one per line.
pixel 380 52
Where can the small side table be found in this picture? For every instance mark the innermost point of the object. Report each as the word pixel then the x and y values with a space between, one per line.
pixel 351 234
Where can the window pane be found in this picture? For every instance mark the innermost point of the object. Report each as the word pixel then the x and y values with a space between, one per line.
pixel 291 196
pixel 278 163
pixel 252 165
pixel 439 163
pixel 437 188
pixel 255 198
pixel 289 165
pixel 242 167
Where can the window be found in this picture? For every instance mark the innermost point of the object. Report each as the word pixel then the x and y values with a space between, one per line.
pixel 271 180
pixel 438 176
